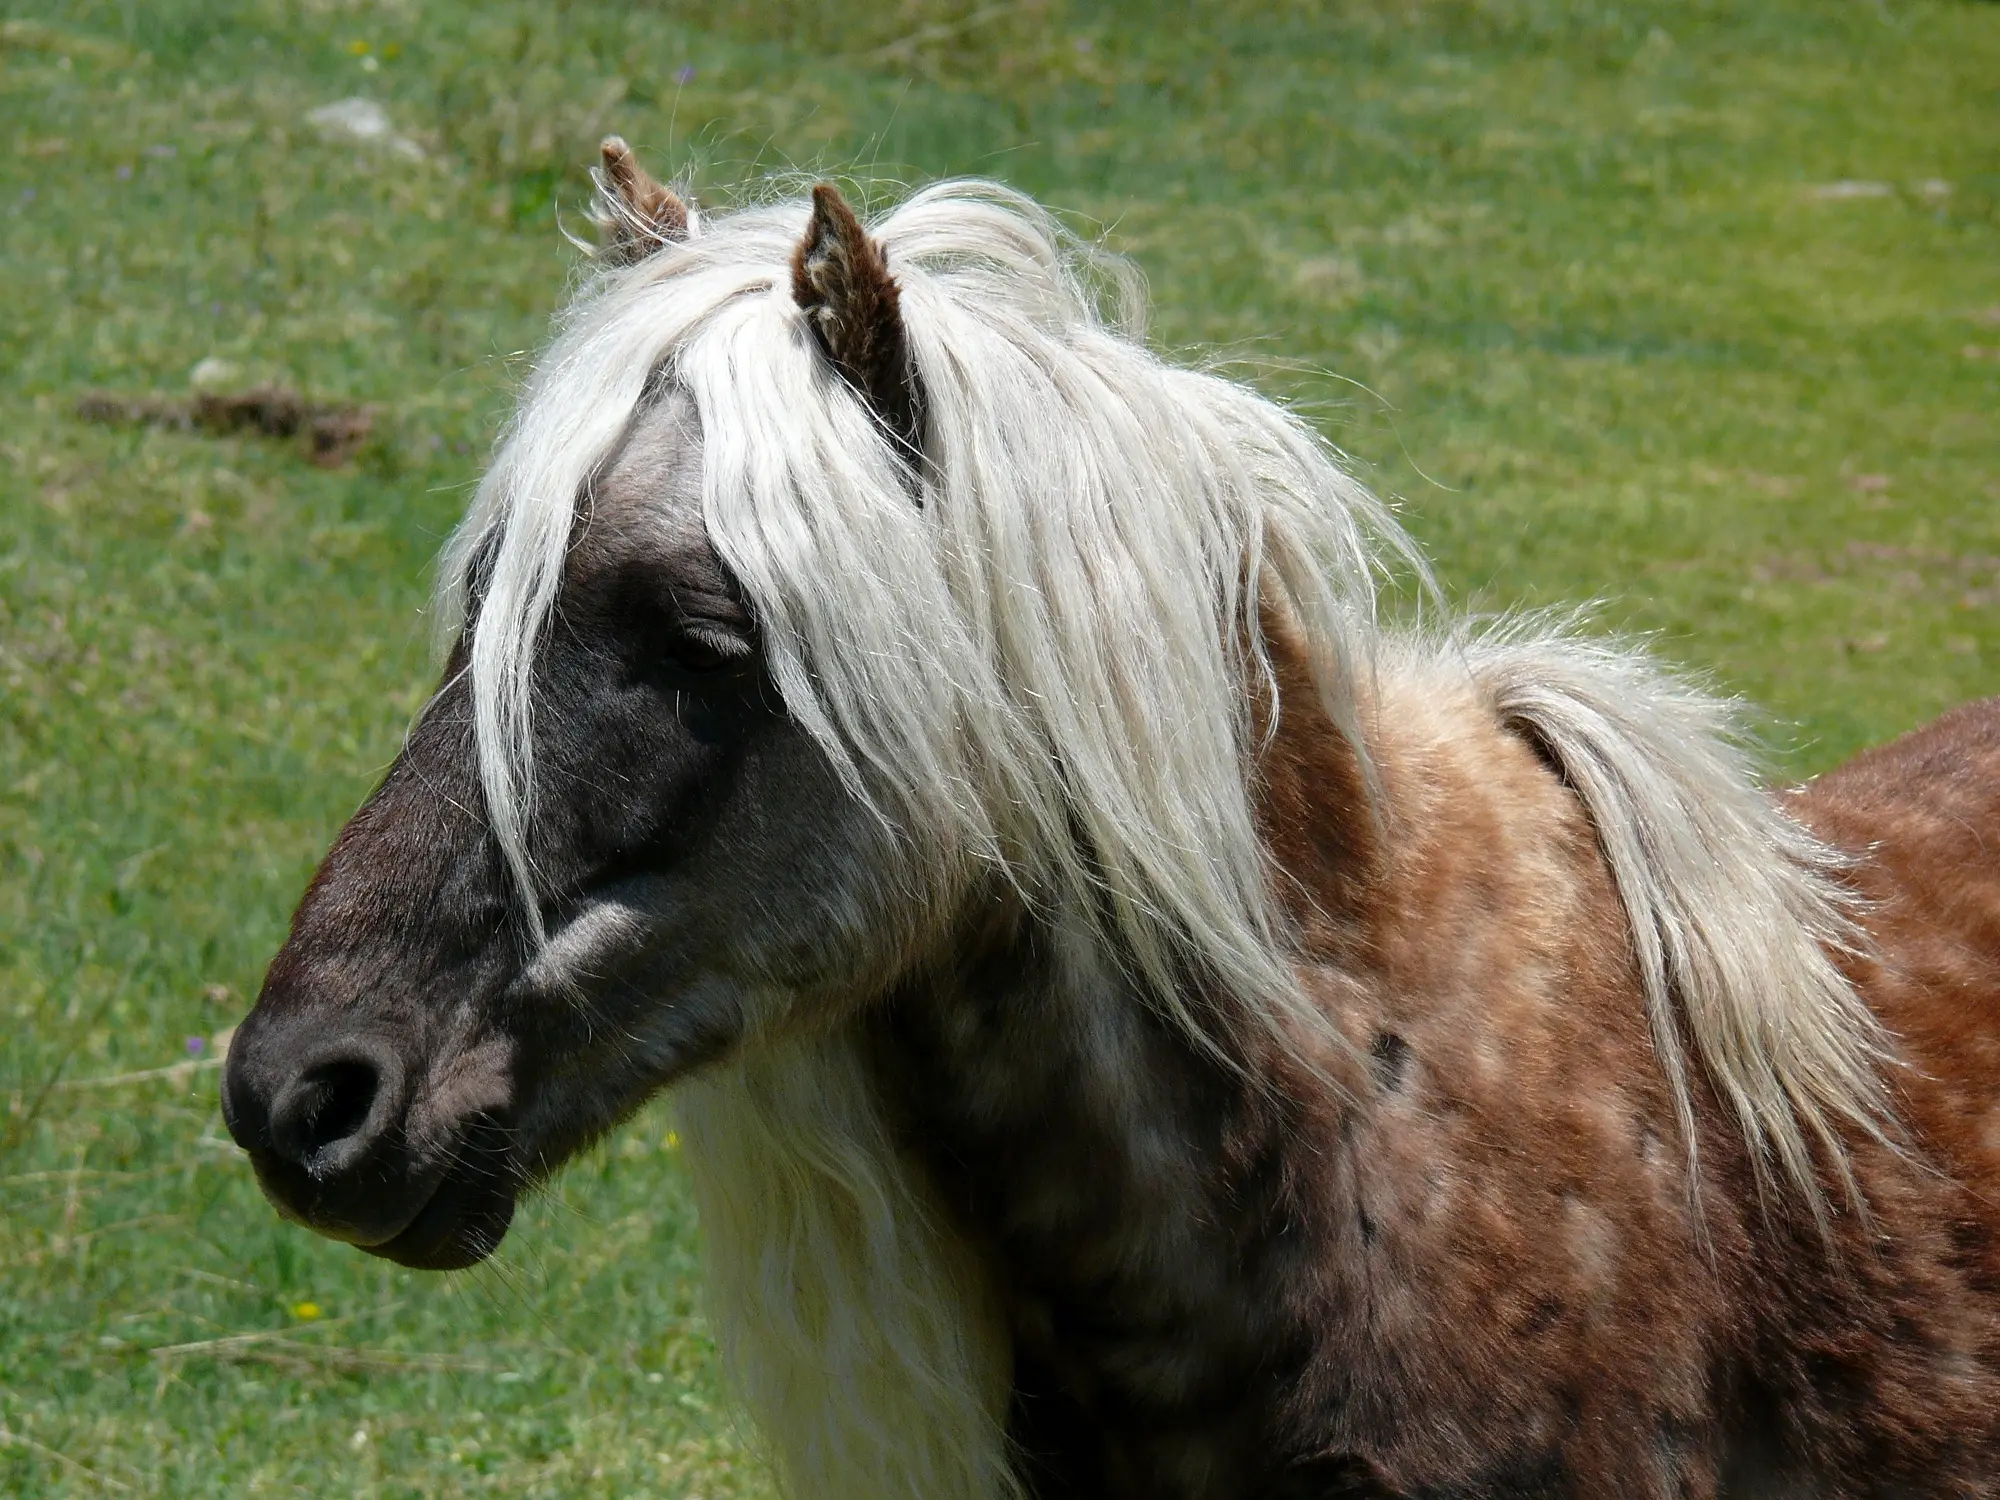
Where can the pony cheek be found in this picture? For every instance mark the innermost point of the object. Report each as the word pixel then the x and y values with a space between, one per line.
pixel 577 1093
pixel 705 724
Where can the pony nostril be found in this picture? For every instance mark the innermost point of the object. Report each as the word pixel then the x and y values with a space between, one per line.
pixel 346 1094
pixel 328 1111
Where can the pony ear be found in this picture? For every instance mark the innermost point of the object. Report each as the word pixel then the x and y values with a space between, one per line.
pixel 637 214
pixel 841 280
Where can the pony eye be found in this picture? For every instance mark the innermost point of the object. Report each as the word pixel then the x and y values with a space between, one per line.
pixel 705 649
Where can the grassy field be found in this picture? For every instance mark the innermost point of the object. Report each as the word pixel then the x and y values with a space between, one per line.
pixel 1692 307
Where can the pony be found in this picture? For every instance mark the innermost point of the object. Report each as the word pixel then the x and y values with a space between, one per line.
pixel 1145 1019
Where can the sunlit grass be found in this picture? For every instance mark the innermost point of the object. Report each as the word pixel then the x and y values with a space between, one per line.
pixel 1579 284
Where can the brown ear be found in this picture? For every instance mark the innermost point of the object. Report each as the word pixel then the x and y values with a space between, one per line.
pixel 841 279
pixel 637 214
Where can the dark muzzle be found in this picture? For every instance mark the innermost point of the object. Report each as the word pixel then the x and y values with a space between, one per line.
pixel 324 1110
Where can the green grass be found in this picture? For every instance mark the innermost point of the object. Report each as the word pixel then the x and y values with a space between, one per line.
pixel 1555 274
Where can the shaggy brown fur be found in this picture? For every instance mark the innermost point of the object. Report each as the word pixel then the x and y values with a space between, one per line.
pixel 1530 1273
pixel 1482 1268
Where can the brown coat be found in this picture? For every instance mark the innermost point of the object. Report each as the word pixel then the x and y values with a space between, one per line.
pixel 1480 1265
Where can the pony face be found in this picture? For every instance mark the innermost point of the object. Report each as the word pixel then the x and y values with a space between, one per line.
pixel 415 1059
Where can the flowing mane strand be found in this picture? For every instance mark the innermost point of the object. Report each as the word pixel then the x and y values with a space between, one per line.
pixel 1039 655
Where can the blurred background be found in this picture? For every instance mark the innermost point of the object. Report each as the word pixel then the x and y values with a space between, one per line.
pixel 1691 307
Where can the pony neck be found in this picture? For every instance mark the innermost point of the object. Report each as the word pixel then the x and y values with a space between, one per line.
pixel 1101 1162
pixel 1319 816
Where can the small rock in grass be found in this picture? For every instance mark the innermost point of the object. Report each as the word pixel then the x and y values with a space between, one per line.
pixel 364 123
pixel 213 373
pixel 1934 189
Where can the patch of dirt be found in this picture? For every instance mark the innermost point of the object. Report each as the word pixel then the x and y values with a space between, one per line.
pixel 1975 577
pixel 329 434
pixel 1779 486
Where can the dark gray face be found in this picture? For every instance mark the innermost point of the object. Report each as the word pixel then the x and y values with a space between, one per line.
pixel 411 1063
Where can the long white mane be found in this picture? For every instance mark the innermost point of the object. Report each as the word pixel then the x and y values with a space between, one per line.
pixel 1038 665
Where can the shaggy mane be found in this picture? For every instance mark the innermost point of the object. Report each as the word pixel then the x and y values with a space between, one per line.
pixel 1041 670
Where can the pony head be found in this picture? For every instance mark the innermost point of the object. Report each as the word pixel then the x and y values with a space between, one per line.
pixel 837 595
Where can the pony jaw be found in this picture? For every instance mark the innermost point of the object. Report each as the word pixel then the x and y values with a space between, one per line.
pixel 460 1224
